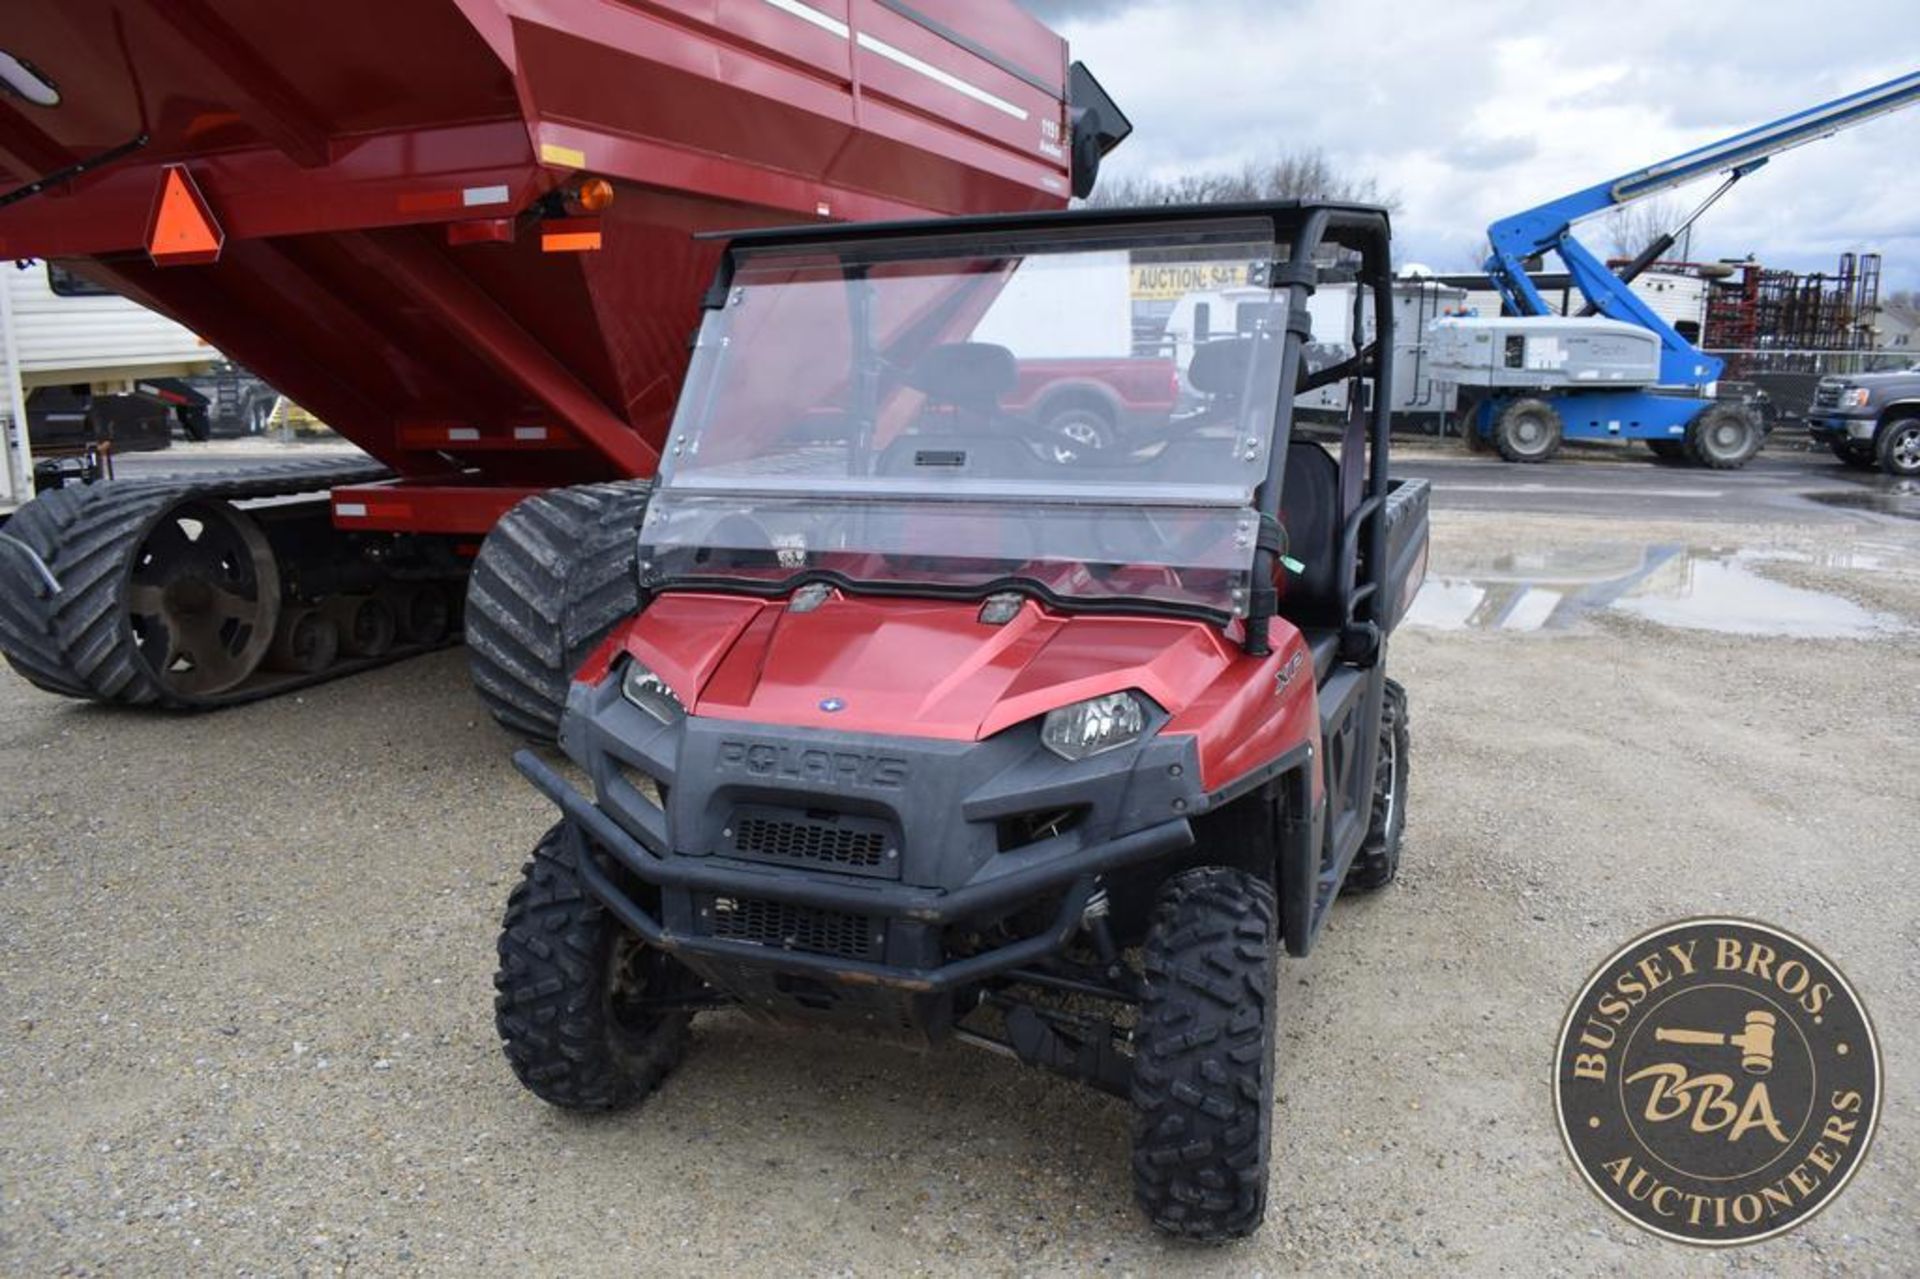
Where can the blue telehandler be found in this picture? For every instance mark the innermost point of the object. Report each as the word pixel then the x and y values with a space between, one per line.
pixel 1616 370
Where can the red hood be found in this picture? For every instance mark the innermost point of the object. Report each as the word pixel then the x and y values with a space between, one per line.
pixel 898 665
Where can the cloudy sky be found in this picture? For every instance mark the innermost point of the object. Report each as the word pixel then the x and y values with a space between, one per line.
pixel 1467 110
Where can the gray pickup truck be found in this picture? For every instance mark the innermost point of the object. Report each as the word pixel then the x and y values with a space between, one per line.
pixel 1870 419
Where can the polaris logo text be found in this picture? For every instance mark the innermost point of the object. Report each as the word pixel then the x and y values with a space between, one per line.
pixel 815 766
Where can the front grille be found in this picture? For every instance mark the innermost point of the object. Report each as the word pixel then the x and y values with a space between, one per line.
pixel 829 841
pixel 1826 396
pixel 818 932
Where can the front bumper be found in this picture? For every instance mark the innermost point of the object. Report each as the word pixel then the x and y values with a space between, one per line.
pixel 763 856
pixel 1827 426
pixel 918 907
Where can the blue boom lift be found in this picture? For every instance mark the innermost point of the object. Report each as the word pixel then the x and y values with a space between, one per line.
pixel 1617 370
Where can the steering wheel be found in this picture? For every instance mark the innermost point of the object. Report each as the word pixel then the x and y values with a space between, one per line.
pixel 1126 542
pixel 746 541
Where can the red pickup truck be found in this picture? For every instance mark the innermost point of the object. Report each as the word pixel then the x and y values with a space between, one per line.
pixel 1095 403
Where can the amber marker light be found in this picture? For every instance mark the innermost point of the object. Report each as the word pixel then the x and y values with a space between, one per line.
pixel 592 195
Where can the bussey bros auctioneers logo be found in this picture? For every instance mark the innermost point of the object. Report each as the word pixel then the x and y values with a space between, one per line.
pixel 1717 1081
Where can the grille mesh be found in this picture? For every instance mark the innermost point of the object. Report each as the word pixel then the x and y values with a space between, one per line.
pixel 808 840
pixel 818 932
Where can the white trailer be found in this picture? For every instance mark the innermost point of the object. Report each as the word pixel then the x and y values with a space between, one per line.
pixel 57 329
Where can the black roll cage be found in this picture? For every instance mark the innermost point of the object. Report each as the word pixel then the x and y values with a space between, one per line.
pixel 1307 228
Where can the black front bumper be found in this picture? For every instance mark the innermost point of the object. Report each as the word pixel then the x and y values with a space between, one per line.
pixel 926 908
pixel 774 859
pixel 1826 426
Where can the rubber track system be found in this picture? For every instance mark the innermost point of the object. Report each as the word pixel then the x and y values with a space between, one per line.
pixel 64 562
pixel 553 577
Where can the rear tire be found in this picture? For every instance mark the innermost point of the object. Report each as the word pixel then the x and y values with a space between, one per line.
pixel 1527 430
pixel 552 578
pixel 1377 863
pixel 1899 448
pixel 1467 418
pixel 566 965
pixel 1077 431
pixel 1722 437
pixel 1203 1064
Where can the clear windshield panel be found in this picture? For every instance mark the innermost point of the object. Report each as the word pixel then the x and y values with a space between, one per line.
pixel 1189 558
pixel 1008 373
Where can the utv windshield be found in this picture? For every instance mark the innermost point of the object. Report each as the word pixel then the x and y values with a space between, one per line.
pixel 977 415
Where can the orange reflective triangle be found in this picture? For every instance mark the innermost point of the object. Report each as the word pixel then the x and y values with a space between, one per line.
pixel 182 230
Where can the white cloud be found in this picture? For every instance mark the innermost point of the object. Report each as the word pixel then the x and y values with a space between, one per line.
pixel 1469 111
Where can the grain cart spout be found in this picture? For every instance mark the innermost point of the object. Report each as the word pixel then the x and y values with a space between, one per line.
pixel 460 232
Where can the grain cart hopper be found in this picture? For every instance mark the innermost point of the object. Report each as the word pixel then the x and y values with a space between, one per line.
pixel 460 232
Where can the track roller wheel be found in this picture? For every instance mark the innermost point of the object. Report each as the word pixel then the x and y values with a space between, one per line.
pixel 306 642
pixel 367 625
pixel 423 612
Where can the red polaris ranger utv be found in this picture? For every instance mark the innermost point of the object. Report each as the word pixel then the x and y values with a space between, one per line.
pixel 931 729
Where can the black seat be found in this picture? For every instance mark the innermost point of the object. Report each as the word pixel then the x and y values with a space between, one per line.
pixel 1220 368
pixel 970 376
pixel 1310 512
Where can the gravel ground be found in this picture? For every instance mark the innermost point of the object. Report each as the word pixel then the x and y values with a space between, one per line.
pixel 246 959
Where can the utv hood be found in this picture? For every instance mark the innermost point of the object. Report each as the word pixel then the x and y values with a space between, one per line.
pixel 929 668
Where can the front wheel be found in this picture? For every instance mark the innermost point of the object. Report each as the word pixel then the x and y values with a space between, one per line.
pixel 1527 431
pixel 1900 447
pixel 1856 455
pixel 1203 1056
pixel 584 1007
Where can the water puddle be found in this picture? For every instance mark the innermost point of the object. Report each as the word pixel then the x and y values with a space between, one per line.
pixel 1902 500
pixel 1689 588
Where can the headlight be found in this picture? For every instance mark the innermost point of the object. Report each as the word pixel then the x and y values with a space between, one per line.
pixel 1098 724
pixel 1855 397
pixel 650 693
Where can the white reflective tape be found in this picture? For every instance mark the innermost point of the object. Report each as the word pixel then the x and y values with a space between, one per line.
pixel 484 195
pixel 938 76
pixel 350 508
pixel 529 432
pixel 462 433
pixel 808 13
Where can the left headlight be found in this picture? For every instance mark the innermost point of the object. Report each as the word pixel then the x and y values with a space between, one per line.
pixel 1089 728
pixel 1855 397
pixel 650 693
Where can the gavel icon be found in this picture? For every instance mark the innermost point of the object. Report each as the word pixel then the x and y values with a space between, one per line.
pixel 1755 1042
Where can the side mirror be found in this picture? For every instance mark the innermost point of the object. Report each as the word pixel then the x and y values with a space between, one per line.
pixel 1098 127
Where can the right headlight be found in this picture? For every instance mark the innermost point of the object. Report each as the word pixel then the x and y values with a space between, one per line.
pixel 1092 727
pixel 650 693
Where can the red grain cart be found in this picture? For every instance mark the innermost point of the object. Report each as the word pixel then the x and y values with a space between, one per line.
pixel 462 233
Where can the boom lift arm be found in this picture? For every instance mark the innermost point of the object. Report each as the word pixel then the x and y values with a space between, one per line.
pixel 1549 226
